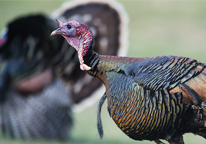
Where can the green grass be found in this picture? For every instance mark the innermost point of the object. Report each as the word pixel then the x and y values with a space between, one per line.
pixel 156 28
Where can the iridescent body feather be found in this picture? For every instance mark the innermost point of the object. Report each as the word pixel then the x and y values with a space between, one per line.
pixel 150 98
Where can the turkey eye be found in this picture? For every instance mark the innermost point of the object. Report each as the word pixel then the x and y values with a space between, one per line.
pixel 69 26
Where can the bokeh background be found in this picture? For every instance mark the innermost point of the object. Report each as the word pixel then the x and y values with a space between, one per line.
pixel 156 28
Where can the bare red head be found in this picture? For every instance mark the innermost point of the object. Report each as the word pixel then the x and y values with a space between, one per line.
pixel 78 36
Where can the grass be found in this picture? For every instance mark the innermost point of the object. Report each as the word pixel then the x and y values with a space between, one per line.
pixel 156 28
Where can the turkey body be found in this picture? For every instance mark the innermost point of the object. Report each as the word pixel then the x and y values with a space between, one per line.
pixel 148 98
pixel 34 117
pixel 153 98
pixel 30 106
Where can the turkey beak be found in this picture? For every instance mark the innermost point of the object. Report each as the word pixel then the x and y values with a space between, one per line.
pixel 57 31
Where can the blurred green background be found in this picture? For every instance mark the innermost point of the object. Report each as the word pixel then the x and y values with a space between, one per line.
pixel 156 28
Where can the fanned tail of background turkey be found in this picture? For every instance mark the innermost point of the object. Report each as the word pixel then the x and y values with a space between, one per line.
pixel 45 112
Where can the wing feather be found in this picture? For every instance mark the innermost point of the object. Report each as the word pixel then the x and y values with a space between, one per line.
pixel 172 74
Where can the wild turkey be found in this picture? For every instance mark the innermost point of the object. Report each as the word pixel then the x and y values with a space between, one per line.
pixel 40 79
pixel 148 98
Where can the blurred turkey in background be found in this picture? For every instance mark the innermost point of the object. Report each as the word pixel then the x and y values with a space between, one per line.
pixel 40 81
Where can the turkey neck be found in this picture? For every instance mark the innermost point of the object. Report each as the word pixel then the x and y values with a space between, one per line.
pixel 103 64
pixel 99 64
